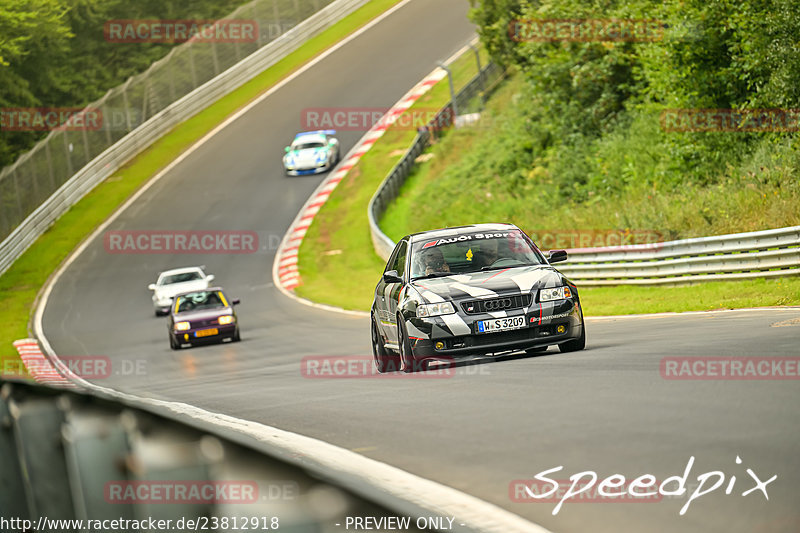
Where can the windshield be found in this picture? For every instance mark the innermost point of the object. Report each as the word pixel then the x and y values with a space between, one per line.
pixel 180 278
pixel 472 252
pixel 195 301
pixel 308 145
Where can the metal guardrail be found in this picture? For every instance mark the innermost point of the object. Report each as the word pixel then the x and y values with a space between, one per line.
pixel 40 186
pixel 70 455
pixel 760 254
pixel 481 85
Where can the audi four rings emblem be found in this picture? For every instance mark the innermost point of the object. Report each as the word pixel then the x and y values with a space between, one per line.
pixel 495 305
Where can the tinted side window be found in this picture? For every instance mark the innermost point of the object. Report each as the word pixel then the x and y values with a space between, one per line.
pixel 399 262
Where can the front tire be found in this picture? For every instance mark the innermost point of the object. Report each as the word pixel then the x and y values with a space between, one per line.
pixel 236 337
pixel 384 361
pixel 575 344
pixel 173 343
pixel 406 355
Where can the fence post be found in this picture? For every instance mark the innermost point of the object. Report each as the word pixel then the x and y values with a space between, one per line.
pixel 452 91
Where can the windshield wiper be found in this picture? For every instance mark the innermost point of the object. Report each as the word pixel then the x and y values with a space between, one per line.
pixel 433 275
pixel 489 267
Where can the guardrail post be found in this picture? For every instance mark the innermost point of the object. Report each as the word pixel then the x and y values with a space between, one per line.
pixel 37 427
pixel 12 487
pixel 452 90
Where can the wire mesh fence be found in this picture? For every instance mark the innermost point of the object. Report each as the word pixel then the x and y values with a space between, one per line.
pixel 36 175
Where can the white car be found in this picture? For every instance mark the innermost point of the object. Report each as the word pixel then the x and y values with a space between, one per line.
pixel 176 281
pixel 311 152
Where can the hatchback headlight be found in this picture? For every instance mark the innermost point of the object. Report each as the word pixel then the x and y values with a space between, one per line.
pixel 429 310
pixel 227 319
pixel 181 326
pixel 556 293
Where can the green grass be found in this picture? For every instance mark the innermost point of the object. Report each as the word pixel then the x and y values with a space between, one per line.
pixel 336 260
pixel 20 285
pixel 625 300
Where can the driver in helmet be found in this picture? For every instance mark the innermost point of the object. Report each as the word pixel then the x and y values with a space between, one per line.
pixel 434 262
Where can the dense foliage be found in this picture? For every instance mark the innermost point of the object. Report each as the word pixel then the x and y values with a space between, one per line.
pixel 53 52
pixel 584 126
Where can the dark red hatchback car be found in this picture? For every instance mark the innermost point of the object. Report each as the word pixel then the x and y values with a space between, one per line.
pixel 202 316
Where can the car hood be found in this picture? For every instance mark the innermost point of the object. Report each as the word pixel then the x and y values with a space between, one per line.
pixel 307 156
pixel 489 283
pixel 168 291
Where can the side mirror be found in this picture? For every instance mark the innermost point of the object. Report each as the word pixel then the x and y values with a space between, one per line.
pixel 392 277
pixel 236 301
pixel 286 149
pixel 152 286
pixel 556 256
pixel 210 278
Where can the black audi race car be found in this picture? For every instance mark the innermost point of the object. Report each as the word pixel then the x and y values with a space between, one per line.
pixel 479 289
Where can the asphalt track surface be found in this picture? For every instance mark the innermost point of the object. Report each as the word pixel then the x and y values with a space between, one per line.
pixel 483 425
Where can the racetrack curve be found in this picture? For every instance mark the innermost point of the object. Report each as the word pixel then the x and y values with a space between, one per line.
pixel 605 409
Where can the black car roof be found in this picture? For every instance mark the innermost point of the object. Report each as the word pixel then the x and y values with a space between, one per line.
pixel 459 230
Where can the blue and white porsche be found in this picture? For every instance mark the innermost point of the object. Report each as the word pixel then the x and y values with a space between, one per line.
pixel 311 152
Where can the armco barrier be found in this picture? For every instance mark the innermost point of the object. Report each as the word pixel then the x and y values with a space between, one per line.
pixel 760 254
pixel 112 158
pixel 68 455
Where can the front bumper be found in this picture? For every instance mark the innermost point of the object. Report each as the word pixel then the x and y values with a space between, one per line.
pixel 308 171
pixel 539 331
pixel 190 336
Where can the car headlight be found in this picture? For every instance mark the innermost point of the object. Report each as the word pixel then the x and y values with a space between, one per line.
pixel 227 319
pixel 428 310
pixel 181 326
pixel 556 293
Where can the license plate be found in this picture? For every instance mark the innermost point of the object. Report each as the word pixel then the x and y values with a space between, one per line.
pixel 501 324
pixel 206 332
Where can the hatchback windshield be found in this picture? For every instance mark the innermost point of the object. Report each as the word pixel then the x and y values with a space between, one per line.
pixel 472 252
pixel 195 301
